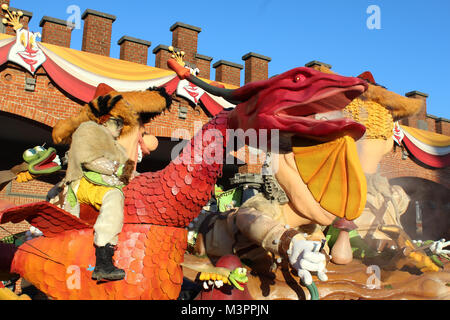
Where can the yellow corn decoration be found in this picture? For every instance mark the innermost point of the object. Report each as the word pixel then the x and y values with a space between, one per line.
pixel 423 262
pixel 24 177
pixel 210 276
pixel 377 119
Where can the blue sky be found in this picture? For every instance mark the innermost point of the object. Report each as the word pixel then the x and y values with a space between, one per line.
pixel 410 52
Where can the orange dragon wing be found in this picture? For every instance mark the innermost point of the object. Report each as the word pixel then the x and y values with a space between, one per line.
pixel 48 218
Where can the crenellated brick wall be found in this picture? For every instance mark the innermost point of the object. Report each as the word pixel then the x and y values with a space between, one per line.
pixel 134 50
pixel 185 36
pixel 204 65
pixel 256 67
pixel 97 32
pixel 442 125
pixel 56 31
pixel 228 72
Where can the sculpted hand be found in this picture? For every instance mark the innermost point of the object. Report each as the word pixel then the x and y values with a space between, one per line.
pixel 305 257
pixel 438 247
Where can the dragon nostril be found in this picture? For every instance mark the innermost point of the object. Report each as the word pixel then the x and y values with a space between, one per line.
pixel 299 78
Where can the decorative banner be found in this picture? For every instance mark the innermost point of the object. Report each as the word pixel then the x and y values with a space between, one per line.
pixel 430 148
pixel 190 91
pixel 25 52
pixel 398 134
pixel 79 73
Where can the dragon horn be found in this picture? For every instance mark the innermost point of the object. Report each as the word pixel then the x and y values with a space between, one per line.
pixel 185 74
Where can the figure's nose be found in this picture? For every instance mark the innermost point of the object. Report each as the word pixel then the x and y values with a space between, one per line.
pixel 149 144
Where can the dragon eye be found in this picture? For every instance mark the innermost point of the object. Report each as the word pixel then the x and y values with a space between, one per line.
pixel 39 149
pixel 30 152
pixel 299 78
pixel 242 271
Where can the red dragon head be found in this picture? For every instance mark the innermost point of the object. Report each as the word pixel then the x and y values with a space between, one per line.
pixel 319 164
pixel 289 102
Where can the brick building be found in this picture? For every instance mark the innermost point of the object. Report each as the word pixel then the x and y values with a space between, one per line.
pixel 32 103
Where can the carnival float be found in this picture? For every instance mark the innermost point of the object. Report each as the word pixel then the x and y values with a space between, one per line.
pixel 319 223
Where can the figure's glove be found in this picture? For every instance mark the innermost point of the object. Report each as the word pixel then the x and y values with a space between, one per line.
pixel 55 191
pixel 305 257
pixel 127 172
pixel 438 247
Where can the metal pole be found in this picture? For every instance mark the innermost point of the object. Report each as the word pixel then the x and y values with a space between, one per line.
pixel 419 225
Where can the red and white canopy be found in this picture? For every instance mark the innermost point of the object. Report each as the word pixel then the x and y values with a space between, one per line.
pixel 430 148
pixel 79 73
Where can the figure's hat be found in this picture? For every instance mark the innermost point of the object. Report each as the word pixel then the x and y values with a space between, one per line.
pixel 102 90
pixel 108 102
pixel 399 106
pixel 368 77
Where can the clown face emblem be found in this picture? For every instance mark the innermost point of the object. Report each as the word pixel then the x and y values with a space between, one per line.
pixel 190 91
pixel 25 52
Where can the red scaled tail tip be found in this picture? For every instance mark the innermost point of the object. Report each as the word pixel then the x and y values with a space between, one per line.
pixel 181 71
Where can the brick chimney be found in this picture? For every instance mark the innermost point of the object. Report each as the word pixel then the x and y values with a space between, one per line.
pixel 318 63
pixel 442 126
pixel 162 55
pixel 419 120
pixel 55 31
pixel 97 32
pixel 256 67
pixel 185 37
pixel 134 50
pixel 27 15
pixel 228 72
pixel 2 15
pixel 204 65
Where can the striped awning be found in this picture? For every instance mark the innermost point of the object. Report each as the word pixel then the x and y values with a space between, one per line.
pixel 79 73
pixel 430 148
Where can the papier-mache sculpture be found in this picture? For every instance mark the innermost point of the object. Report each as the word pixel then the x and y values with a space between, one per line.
pixel 377 109
pixel 159 206
pixel 320 184
pixel 317 172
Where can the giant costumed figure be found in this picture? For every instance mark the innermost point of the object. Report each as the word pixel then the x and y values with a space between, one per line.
pixel 296 207
pixel 378 109
pixel 160 205
pixel 317 178
pixel 99 167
